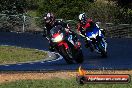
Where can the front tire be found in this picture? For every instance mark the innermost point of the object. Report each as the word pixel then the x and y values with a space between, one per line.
pixel 65 55
pixel 102 50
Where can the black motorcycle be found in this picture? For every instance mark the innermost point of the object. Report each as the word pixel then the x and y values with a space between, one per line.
pixel 65 46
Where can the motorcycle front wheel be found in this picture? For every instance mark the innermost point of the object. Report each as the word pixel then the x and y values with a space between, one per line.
pixel 66 55
pixel 102 49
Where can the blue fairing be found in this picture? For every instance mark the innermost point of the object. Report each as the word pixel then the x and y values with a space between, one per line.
pixel 90 32
pixel 94 31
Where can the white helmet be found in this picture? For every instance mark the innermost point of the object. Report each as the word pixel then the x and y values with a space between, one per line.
pixel 82 18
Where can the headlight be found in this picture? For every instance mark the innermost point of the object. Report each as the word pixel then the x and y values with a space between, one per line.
pixel 58 38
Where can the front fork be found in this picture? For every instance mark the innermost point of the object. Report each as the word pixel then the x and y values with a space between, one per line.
pixel 103 43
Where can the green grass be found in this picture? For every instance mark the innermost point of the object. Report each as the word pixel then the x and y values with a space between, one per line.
pixel 59 83
pixel 11 55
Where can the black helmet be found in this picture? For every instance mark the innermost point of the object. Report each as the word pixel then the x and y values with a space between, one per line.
pixel 82 18
pixel 49 18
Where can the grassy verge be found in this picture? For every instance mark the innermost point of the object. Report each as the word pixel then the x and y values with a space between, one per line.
pixel 66 79
pixel 11 55
pixel 59 83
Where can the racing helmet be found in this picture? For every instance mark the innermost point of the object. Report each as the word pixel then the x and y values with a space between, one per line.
pixel 82 18
pixel 49 18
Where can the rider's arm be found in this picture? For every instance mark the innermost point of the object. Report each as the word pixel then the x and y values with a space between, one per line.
pixel 67 27
pixel 62 23
pixel 44 31
pixel 90 21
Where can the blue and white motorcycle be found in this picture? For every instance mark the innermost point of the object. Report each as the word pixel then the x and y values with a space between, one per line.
pixel 96 40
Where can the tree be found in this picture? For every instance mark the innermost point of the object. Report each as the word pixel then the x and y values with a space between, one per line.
pixel 124 3
pixel 67 9
pixel 13 6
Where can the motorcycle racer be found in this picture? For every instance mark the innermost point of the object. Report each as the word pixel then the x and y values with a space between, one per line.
pixel 50 22
pixel 84 23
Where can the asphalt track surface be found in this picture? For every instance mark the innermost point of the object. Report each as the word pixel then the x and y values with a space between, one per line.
pixel 119 54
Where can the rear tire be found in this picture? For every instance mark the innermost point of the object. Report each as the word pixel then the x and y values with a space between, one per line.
pixel 103 54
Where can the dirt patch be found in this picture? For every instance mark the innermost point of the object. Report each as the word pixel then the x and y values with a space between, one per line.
pixel 13 76
pixel 9 77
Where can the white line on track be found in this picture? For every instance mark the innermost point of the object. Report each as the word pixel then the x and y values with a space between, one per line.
pixel 31 63
pixel 6 65
pixel 60 57
pixel 42 62
pixel 19 64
